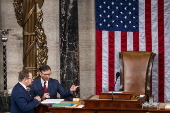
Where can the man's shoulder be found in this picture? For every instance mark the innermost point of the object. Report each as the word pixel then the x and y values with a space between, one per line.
pixel 17 89
pixel 17 86
pixel 36 80
pixel 53 80
pixel 50 80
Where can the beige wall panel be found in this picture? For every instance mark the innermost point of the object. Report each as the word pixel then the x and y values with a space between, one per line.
pixel 51 28
pixel 86 47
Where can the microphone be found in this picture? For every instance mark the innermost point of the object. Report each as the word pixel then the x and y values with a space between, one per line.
pixel 117 76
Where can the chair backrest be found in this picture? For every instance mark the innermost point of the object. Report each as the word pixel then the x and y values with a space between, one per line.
pixel 136 71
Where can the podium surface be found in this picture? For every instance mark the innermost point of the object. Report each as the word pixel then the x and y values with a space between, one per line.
pixel 95 102
pixel 123 95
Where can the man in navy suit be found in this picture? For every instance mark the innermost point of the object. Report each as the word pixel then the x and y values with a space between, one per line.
pixel 21 101
pixel 47 87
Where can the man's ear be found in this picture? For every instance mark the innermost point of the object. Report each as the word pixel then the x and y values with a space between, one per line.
pixel 40 74
pixel 25 80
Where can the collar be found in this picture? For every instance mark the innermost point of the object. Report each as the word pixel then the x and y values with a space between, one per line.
pixel 42 82
pixel 23 85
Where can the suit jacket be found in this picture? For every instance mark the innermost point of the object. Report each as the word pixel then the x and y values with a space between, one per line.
pixel 53 87
pixel 21 101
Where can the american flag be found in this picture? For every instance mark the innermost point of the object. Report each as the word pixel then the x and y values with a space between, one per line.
pixel 133 25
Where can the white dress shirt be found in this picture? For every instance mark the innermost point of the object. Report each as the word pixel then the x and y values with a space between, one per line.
pixel 42 82
pixel 25 87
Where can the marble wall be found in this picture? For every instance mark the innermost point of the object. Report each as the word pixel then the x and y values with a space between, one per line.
pixel 50 9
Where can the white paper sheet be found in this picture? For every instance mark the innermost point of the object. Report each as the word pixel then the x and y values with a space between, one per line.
pixel 167 106
pixel 48 101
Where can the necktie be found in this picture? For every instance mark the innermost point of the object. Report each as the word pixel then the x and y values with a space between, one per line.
pixel 45 88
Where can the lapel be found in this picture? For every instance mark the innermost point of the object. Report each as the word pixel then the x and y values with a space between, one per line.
pixel 24 90
pixel 50 86
pixel 40 86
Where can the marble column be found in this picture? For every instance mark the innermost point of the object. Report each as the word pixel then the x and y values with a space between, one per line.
pixel 69 45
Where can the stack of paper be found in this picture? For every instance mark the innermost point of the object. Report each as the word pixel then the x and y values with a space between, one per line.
pixel 51 101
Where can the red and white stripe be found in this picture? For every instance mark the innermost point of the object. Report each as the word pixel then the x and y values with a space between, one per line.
pixel 153 35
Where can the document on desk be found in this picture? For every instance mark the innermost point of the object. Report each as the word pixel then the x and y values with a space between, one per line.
pixel 167 106
pixel 51 101
pixel 67 105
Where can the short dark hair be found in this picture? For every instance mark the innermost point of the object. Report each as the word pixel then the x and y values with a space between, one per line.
pixel 23 74
pixel 44 68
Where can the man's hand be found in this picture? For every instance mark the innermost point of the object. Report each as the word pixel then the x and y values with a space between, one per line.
pixel 73 88
pixel 38 98
pixel 46 95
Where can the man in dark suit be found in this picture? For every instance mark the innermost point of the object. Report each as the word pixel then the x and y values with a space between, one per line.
pixel 21 101
pixel 47 87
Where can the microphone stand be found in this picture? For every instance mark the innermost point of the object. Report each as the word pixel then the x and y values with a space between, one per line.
pixel 117 76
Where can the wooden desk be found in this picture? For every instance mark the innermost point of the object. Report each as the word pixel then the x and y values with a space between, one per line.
pixel 88 110
pixel 43 108
pixel 95 102
pixel 93 105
